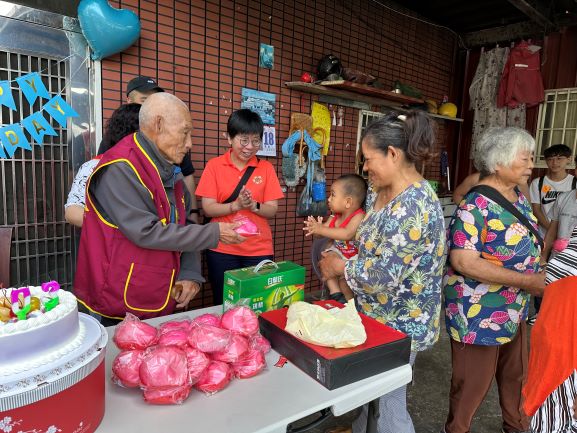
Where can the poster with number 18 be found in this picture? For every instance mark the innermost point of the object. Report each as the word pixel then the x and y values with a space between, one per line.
pixel 268 147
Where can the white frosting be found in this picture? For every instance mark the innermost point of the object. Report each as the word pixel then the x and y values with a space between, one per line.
pixel 67 303
pixel 26 344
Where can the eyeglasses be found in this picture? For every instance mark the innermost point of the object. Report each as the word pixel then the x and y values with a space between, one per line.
pixel 244 142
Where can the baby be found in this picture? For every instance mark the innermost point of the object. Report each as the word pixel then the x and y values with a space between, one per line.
pixel 346 202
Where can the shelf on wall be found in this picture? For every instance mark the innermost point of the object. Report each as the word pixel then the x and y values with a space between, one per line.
pixel 361 93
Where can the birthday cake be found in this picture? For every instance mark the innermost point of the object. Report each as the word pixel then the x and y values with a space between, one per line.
pixel 51 360
pixel 40 337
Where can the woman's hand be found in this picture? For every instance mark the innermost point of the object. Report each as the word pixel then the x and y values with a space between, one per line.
pixel 312 225
pixel 331 265
pixel 536 284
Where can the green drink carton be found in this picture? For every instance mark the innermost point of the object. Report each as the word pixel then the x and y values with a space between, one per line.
pixel 266 286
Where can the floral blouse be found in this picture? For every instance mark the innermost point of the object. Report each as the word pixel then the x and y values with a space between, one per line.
pixel 489 314
pixel 397 274
pixel 77 193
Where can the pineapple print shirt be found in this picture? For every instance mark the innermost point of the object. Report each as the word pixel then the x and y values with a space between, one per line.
pixel 489 314
pixel 397 274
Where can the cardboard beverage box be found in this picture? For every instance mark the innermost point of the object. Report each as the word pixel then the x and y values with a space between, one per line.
pixel 385 349
pixel 262 288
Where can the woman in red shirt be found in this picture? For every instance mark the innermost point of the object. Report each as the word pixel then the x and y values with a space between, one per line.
pixel 257 200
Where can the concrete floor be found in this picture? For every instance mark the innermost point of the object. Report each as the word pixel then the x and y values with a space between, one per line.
pixel 428 396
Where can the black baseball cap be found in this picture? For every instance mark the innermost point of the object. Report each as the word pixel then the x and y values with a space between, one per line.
pixel 142 84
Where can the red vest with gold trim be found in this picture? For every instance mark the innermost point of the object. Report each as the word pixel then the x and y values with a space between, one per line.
pixel 113 275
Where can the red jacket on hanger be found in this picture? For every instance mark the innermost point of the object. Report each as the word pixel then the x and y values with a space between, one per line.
pixel 521 82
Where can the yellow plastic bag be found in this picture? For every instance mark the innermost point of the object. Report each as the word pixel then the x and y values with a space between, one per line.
pixel 337 327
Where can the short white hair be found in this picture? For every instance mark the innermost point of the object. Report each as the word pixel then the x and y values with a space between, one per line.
pixel 500 147
pixel 161 103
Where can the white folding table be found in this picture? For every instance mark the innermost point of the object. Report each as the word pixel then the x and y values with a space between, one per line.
pixel 266 403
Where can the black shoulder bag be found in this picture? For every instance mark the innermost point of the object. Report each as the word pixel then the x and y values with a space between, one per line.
pixel 498 198
pixel 242 182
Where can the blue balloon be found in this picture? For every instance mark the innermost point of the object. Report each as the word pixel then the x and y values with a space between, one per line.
pixel 107 30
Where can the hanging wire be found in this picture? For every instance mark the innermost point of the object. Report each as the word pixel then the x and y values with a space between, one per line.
pixel 459 38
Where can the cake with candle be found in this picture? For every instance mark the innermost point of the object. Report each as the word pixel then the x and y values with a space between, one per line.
pixel 38 324
pixel 51 360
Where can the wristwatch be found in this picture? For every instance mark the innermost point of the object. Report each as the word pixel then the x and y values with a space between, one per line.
pixel 257 206
pixel 195 211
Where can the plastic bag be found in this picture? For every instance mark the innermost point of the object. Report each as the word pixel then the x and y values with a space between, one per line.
pixel 207 338
pixel 215 378
pixel 258 342
pixel 176 337
pixel 196 361
pixel 249 365
pixel 134 334
pixel 164 367
pixel 126 368
pixel 174 325
pixel 560 244
pixel 337 327
pixel 241 320
pixel 237 347
pixel 247 227
pixel 207 319
pixel 170 395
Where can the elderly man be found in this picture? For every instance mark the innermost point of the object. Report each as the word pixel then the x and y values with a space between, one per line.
pixel 137 90
pixel 136 252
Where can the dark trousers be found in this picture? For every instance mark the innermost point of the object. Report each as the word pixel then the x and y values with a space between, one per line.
pixel 474 368
pixel 218 263
pixel 537 301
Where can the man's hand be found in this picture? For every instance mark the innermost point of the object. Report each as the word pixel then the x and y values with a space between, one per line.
pixel 186 294
pixel 228 235
pixel 312 225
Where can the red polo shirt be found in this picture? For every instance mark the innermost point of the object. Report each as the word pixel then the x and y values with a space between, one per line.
pixel 219 179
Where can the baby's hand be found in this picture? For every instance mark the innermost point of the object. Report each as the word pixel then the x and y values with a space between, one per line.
pixel 312 225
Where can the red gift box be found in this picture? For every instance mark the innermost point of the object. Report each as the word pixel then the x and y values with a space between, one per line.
pixel 384 349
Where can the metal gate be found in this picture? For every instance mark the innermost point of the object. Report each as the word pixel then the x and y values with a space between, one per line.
pixel 34 184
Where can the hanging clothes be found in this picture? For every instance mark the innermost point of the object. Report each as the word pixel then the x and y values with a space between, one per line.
pixel 483 96
pixel 522 81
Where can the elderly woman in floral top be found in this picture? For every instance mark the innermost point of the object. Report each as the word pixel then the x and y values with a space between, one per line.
pixel 493 269
pixel 396 277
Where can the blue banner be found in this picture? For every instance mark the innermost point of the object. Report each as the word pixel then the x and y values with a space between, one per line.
pixel 32 87
pixel 6 97
pixel 12 137
pixel 59 110
pixel 37 126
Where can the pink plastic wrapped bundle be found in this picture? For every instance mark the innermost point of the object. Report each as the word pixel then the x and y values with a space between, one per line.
pixel 241 320
pixel 215 378
pixel 164 367
pixel 560 244
pixel 207 319
pixel 250 364
pixel 134 334
pixel 174 325
pixel 208 338
pixel 171 395
pixel 237 347
pixel 176 337
pixel 258 342
pixel 247 226
pixel 196 362
pixel 126 368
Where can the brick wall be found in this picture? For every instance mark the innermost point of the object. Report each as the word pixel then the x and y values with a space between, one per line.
pixel 207 51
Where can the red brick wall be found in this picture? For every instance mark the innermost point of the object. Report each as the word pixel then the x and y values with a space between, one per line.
pixel 207 51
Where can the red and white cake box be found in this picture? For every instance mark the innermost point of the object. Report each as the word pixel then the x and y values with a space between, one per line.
pixel 62 391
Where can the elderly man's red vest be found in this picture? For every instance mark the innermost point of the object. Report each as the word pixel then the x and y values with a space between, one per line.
pixel 113 275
